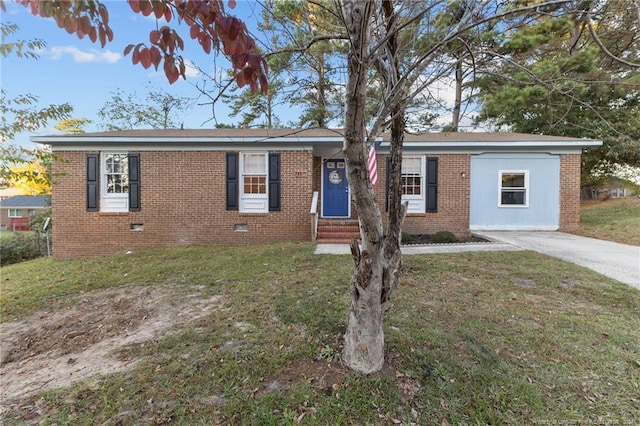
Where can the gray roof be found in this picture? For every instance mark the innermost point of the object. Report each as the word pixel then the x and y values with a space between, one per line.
pixel 321 140
pixel 300 133
pixel 25 201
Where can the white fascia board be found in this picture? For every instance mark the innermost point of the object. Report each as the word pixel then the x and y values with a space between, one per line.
pixel 467 146
pixel 183 146
pixel 61 139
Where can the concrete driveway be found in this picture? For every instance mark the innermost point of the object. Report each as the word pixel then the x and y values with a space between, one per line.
pixel 618 261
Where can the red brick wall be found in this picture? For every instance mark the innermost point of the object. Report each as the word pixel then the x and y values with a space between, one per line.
pixel 570 165
pixel 183 202
pixel 453 197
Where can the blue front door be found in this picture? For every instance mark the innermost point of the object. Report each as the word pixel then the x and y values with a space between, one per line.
pixel 335 189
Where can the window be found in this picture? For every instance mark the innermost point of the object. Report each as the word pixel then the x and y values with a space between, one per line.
pixel 253 182
pixel 15 213
pixel 253 179
pixel 419 183
pixel 254 173
pixel 116 173
pixel 113 182
pixel 618 193
pixel 412 176
pixel 31 212
pixel 412 183
pixel 514 186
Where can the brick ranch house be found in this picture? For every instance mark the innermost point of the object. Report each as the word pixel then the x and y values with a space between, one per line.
pixel 17 211
pixel 129 190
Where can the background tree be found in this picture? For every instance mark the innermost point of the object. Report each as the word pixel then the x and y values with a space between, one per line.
pixel 554 78
pixel 157 111
pixel 311 71
pixel 257 109
pixel 31 178
pixel 72 125
pixel 21 113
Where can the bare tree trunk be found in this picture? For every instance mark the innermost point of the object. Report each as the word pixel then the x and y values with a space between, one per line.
pixel 364 336
pixel 377 265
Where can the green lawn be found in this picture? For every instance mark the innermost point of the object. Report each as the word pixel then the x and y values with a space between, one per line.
pixel 613 220
pixel 472 338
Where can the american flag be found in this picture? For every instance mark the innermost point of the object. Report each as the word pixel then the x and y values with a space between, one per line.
pixel 372 166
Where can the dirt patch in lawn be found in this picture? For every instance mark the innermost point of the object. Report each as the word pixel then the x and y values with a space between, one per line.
pixel 55 349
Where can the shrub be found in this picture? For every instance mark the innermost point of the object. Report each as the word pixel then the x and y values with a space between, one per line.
pixel 444 237
pixel 407 238
pixel 20 247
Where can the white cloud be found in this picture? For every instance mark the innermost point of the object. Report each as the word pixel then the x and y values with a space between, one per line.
pixel 93 55
pixel 190 69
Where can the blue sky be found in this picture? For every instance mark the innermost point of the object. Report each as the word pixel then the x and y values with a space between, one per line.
pixel 83 74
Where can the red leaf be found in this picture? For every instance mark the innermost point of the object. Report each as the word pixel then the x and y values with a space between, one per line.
pixel 102 36
pixel 70 25
pixel 145 7
pixel 156 57
pixel 194 31
pixel 240 79
pixel 84 24
pixel 93 35
pixel 604 336
pixel 167 14
pixel 232 4
pixel 128 49
pixel 135 5
pixel 154 36
pixel 145 58
pixel 205 42
pixel 170 71
pixel 104 14
pixel 158 9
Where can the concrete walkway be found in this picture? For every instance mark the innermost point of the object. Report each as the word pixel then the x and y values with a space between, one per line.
pixel 618 261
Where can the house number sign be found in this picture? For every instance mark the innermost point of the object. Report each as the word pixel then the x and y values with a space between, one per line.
pixel 335 177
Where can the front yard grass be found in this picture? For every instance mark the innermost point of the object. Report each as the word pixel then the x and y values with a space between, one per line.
pixel 614 220
pixel 472 338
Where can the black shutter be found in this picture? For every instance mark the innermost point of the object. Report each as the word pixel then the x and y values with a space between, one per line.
pixel 232 181
pixel 274 182
pixel 432 185
pixel 92 182
pixel 134 182
pixel 388 184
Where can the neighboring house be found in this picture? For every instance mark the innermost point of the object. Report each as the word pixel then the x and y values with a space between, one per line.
pixel 128 190
pixel 17 211
pixel 611 187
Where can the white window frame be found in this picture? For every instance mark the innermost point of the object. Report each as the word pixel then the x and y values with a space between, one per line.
pixel 526 188
pixel 15 213
pixel 254 203
pixel 112 202
pixel 416 202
